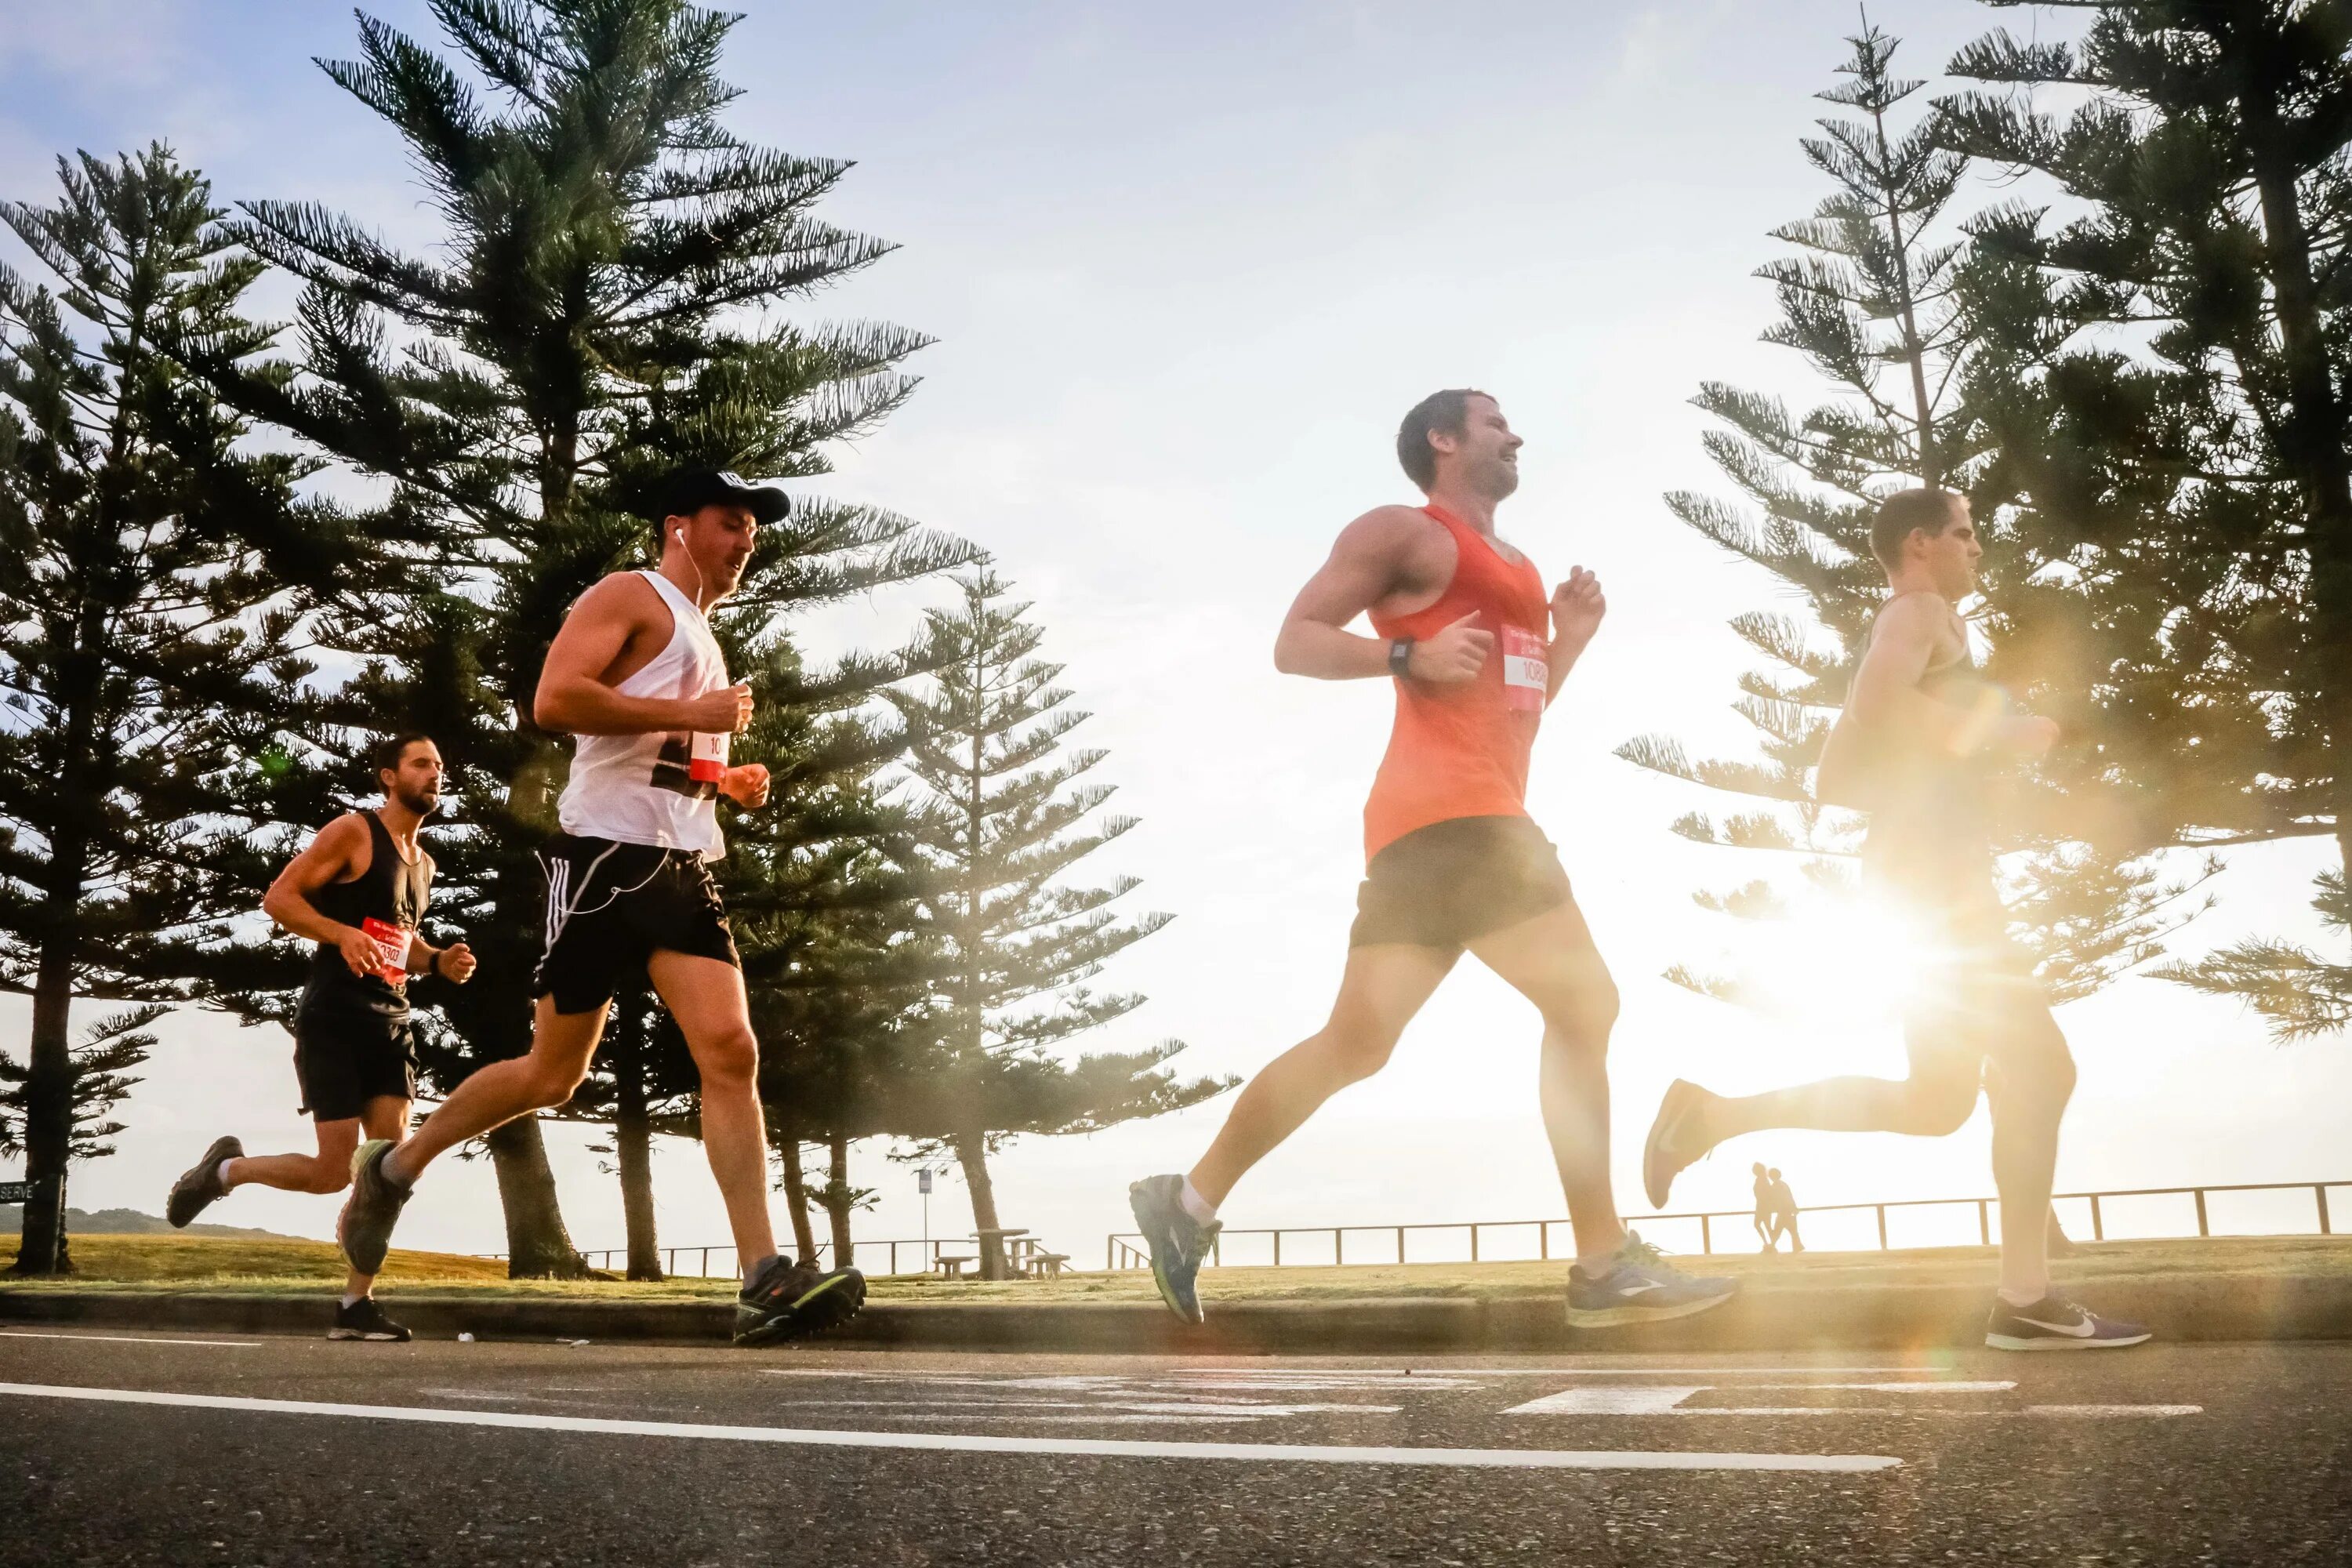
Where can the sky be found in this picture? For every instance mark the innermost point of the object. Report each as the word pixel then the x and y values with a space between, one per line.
pixel 1186 267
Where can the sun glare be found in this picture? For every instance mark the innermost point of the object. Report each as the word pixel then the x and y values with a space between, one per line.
pixel 1841 962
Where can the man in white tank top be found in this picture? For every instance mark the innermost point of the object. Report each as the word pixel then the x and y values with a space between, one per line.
pixel 636 676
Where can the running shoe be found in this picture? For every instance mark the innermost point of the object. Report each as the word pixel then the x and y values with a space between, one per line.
pixel 1663 1157
pixel 199 1187
pixel 792 1301
pixel 2056 1323
pixel 364 1319
pixel 1643 1287
pixel 364 1228
pixel 1179 1243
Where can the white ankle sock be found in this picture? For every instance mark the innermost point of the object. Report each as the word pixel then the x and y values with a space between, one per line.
pixel 350 1302
pixel 220 1174
pixel 1203 1211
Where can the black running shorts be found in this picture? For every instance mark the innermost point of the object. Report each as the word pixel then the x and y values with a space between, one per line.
pixel 610 906
pixel 345 1057
pixel 1450 883
pixel 1974 995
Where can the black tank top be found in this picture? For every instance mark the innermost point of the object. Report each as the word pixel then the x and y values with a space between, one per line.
pixel 1936 797
pixel 391 891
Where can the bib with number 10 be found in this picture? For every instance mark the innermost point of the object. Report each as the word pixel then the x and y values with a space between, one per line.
pixel 1527 669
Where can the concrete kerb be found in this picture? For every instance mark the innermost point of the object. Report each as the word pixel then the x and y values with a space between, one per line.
pixel 2184 1308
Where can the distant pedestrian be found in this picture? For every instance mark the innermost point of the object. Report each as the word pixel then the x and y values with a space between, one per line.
pixel 1784 1211
pixel 1764 1230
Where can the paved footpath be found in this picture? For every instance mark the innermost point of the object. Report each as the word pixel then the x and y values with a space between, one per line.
pixel 117 1447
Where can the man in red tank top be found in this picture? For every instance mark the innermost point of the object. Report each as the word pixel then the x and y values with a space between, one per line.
pixel 1476 650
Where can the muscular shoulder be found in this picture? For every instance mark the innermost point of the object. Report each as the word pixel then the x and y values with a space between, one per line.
pixel 1398 538
pixel 622 596
pixel 1915 617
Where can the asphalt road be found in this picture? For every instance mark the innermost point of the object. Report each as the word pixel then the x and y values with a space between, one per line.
pixel 194 1448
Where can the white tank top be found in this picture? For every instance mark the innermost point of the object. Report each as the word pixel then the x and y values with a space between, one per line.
pixel 661 788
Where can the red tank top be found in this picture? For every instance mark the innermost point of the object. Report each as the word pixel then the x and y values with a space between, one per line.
pixel 1462 750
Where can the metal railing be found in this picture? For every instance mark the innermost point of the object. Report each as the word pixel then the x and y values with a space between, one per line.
pixel 617 1258
pixel 1122 1251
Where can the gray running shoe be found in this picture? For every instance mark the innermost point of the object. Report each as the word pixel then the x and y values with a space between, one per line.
pixel 1179 1243
pixel 1662 1156
pixel 792 1300
pixel 199 1187
pixel 364 1228
pixel 364 1319
pixel 1644 1288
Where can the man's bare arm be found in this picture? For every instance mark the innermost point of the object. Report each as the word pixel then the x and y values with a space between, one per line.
pixel 1367 563
pixel 572 698
pixel 327 859
pixel 1886 695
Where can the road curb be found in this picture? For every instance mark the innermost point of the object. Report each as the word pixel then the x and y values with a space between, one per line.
pixel 2180 1308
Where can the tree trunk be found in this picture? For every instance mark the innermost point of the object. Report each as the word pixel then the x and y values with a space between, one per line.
pixel 796 1198
pixel 537 1245
pixel 838 1196
pixel 49 1120
pixel 2314 440
pixel 632 1148
pixel 971 1154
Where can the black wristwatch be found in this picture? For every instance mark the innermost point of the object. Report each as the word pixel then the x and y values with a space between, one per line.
pixel 1400 656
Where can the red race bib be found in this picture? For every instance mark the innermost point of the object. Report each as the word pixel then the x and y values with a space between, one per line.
pixel 391 950
pixel 1527 669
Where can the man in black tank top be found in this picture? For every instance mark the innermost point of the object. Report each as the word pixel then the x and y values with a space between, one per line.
pixel 359 891
pixel 1920 738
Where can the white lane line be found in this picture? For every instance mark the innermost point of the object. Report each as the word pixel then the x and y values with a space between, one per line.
pixel 1101 1447
pixel 125 1339
pixel 1667 1400
pixel 1400 1375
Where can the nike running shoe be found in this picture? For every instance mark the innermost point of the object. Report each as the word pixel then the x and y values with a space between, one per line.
pixel 1179 1243
pixel 199 1187
pixel 364 1228
pixel 1665 1155
pixel 792 1301
pixel 2055 1323
pixel 1643 1287
pixel 364 1319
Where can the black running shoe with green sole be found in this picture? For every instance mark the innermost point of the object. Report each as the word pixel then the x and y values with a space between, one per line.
pixel 364 1319
pixel 199 1187
pixel 364 1228
pixel 792 1300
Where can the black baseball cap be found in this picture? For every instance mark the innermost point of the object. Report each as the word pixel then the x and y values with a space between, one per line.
pixel 689 490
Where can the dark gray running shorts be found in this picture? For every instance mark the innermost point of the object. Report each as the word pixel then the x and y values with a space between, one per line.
pixel 1448 884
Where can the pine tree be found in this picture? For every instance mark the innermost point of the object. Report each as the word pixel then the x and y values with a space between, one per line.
pixel 2179 419
pixel 153 584
pixel 604 306
pixel 997 820
pixel 1875 303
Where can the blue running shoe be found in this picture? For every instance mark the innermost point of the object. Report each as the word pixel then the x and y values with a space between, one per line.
pixel 1179 1243
pixel 2055 1323
pixel 1642 1289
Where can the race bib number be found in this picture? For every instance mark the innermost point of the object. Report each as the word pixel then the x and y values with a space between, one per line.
pixel 1527 669
pixel 707 761
pixel 391 950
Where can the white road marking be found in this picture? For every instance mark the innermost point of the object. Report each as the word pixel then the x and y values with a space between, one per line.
pixel 1099 1448
pixel 1662 1399
pixel 126 1339
pixel 1667 1400
pixel 1338 1377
